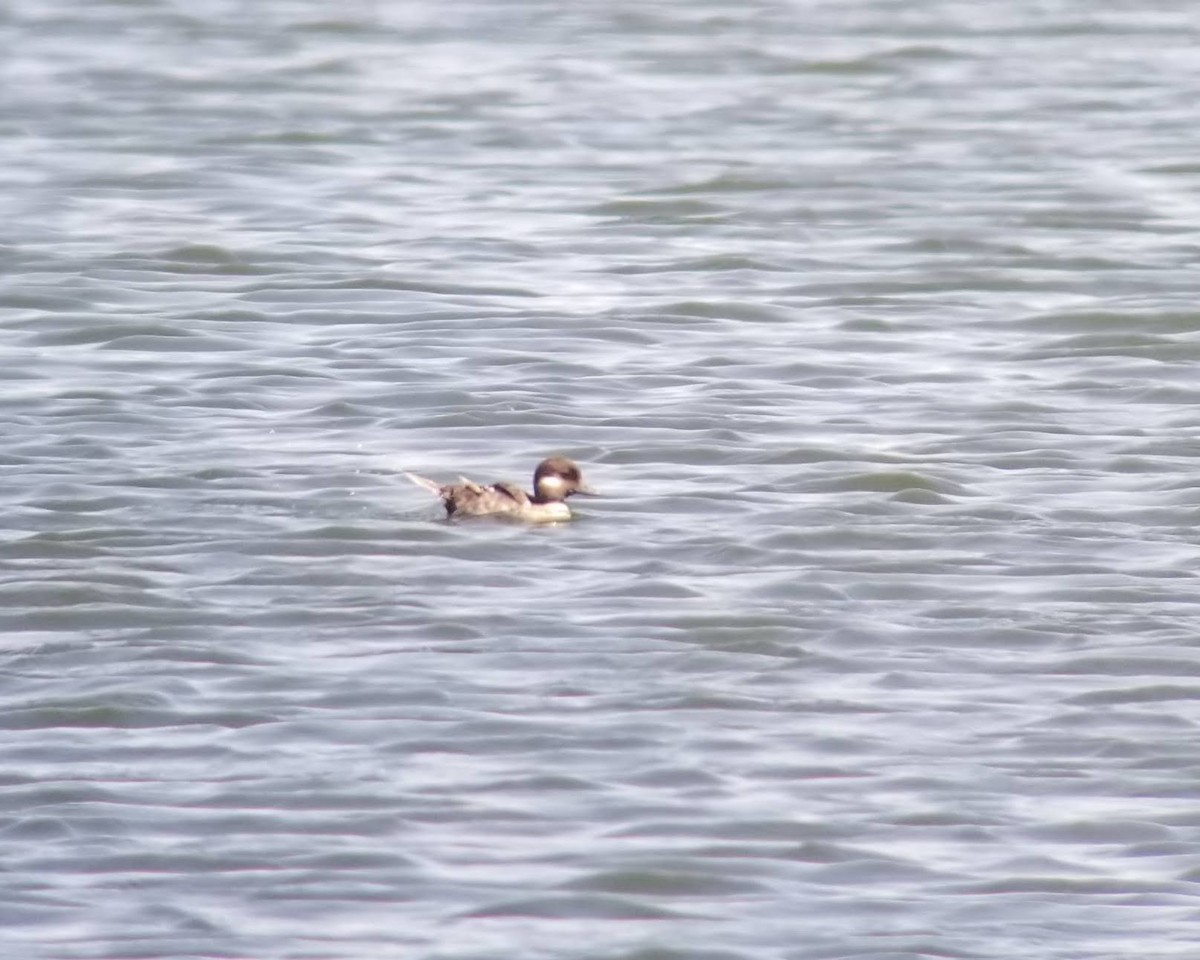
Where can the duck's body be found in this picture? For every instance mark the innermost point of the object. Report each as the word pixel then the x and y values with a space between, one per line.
pixel 554 480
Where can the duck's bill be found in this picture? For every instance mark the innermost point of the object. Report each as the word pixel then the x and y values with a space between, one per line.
pixel 587 491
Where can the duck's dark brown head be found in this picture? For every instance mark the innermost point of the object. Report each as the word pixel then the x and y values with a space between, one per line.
pixel 557 478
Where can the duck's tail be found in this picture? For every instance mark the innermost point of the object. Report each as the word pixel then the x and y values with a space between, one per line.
pixel 431 485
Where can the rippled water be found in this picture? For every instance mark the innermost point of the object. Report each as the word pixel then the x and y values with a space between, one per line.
pixel 876 322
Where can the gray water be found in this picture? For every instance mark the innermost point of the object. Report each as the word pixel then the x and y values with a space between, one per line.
pixel 875 321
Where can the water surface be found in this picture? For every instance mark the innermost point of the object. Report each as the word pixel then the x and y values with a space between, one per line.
pixel 875 322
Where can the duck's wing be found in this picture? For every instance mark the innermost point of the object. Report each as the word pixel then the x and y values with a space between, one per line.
pixel 467 485
pixel 511 490
pixel 475 500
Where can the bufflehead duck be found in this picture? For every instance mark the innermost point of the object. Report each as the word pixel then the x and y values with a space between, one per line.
pixel 554 480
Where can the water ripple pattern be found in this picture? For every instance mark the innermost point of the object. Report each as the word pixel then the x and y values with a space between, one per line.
pixel 875 322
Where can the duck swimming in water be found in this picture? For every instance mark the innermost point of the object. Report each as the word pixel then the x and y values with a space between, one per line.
pixel 554 480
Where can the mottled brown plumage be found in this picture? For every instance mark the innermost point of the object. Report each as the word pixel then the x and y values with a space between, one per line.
pixel 555 479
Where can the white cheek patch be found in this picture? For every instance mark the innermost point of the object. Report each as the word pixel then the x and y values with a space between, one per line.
pixel 554 483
